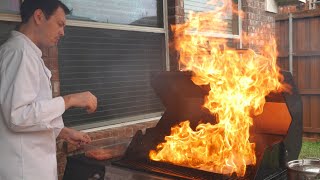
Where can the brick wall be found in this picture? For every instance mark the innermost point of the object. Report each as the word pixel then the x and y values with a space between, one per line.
pixel 50 57
pixel 175 16
pixel 257 22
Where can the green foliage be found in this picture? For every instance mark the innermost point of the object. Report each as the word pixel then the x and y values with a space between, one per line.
pixel 310 149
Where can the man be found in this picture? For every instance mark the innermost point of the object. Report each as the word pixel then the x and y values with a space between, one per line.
pixel 30 119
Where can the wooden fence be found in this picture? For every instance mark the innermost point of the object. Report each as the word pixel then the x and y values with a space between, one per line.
pixel 305 61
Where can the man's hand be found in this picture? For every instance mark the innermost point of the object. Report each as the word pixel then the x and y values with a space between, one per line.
pixel 74 137
pixel 82 100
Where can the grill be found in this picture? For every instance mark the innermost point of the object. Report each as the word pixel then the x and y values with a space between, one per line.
pixel 277 132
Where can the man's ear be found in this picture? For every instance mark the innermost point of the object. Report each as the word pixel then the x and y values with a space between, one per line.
pixel 38 16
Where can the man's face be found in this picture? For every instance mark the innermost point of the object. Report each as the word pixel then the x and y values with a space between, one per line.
pixel 52 29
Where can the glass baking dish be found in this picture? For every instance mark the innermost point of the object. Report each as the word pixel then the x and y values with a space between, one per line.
pixel 107 148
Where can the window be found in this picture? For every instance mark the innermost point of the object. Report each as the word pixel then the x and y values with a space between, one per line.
pixel 114 65
pixel 5 29
pixel 232 32
pixel 9 10
pixel 129 12
pixel 230 17
pixel 9 6
pixel 112 48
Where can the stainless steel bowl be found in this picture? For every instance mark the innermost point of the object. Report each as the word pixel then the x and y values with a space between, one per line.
pixel 304 169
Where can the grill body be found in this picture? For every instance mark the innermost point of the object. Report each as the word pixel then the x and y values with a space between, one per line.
pixel 183 101
pixel 277 134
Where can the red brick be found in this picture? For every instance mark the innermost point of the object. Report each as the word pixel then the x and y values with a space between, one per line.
pixel 173 3
pixel 92 135
pixel 176 19
pixel 61 145
pixel 99 135
pixel 61 168
pixel 123 131
pixel 137 127
pixel 61 155
pixel 152 123
pixel 46 62
pixel 45 52
pixel 54 60
pixel 71 148
pixel 53 52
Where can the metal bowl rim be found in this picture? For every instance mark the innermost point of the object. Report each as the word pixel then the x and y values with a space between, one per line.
pixel 303 162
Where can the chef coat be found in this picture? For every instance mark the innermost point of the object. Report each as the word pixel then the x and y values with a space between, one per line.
pixel 30 119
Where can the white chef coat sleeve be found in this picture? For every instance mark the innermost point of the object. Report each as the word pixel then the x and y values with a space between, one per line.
pixel 20 105
pixel 58 124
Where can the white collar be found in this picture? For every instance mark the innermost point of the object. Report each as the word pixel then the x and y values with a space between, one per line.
pixel 26 38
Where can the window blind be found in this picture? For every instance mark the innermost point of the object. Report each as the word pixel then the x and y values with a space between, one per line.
pixel 114 65
pixel 5 29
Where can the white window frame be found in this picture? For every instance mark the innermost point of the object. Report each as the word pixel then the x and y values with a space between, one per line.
pixel 229 36
pixel 271 6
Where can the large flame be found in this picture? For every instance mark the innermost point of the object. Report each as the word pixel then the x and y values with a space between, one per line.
pixel 239 82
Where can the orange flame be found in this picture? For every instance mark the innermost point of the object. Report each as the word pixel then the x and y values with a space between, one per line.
pixel 239 82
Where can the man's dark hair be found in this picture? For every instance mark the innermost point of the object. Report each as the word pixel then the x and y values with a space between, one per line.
pixel 48 7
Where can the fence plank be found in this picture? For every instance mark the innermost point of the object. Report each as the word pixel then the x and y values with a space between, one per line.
pixel 306 62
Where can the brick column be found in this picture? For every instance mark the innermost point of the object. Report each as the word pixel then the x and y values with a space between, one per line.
pixel 257 22
pixel 175 16
pixel 50 57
